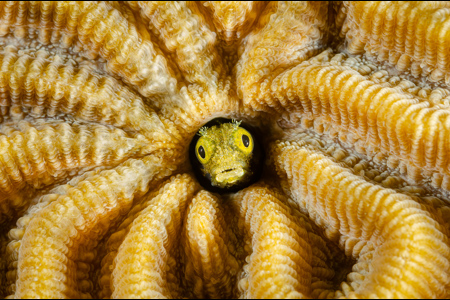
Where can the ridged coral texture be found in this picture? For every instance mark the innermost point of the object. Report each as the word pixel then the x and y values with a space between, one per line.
pixel 349 100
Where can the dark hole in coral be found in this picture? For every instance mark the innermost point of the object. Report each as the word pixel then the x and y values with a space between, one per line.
pixel 256 164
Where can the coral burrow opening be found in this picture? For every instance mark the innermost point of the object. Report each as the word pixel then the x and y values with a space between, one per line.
pixel 226 155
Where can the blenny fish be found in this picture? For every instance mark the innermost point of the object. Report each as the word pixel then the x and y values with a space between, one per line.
pixel 226 155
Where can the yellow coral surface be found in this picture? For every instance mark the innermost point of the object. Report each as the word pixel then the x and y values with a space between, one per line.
pixel 100 100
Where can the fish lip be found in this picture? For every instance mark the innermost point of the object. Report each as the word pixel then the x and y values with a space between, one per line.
pixel 227 175
pixel 229 168
pixel 228 172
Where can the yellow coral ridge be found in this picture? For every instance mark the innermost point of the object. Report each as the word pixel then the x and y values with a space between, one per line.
pixel 37 157
pixel 66 224
pixel 288 260
pixel 95 28
pixel 48 85
pixel 234 19
pixel 178 188
pixel 210 263
pixel 386 117
pixel 187 35
pixel 284 40
pixel 410 36
pixel 145 265
pixel 404 240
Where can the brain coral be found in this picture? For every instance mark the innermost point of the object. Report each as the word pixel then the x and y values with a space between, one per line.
pixel 98 104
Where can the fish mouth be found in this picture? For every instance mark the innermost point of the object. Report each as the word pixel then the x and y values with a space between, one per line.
pixel 229 176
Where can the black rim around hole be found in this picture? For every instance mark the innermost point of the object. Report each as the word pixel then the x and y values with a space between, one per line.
pixel 256 164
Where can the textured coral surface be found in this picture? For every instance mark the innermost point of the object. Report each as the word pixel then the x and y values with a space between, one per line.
pixel 98 104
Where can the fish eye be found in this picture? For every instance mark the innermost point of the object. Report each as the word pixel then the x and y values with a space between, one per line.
pixel 201 152
pixel 246 140
pixel 243 140
pixel 204 150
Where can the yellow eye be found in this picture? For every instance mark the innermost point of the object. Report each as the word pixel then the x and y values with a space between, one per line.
pixel 204 150
pixel 243 140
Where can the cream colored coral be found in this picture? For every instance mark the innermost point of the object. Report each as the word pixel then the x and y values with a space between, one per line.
pixel 211 265
pixel 295 32
pixel 234 19
pixel 288 258
pixel 406 245
pixel 145 265
pixel 410 36
pixel 62 234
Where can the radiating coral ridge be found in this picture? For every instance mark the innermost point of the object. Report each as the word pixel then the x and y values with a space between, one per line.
pixel 99 102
